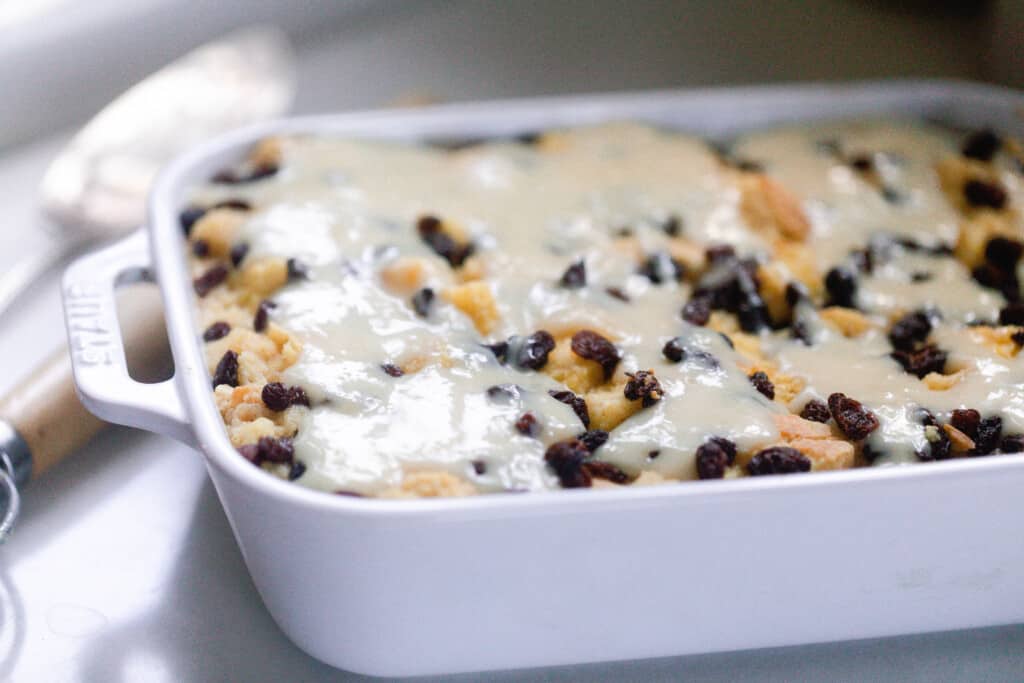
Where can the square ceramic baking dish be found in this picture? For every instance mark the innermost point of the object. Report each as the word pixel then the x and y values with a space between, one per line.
pixel 500 581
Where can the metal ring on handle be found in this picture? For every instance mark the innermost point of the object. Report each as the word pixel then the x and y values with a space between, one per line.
pixel 10 516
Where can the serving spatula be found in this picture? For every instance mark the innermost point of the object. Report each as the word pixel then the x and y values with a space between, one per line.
pixel 96 190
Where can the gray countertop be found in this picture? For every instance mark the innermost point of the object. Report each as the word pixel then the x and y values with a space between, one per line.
pixel 124 567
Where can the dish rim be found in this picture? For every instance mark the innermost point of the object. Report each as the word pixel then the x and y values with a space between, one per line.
pixel 488 120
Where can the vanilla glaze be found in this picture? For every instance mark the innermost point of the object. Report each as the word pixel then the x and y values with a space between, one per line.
pixel 348 209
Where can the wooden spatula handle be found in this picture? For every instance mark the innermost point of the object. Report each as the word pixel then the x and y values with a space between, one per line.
pixel 47 414
pixel 43 407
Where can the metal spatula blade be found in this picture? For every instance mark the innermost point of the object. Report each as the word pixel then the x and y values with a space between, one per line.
pixel 96 188
pixel 100 181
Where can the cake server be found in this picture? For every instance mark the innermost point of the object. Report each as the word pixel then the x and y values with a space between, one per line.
pixel 96 190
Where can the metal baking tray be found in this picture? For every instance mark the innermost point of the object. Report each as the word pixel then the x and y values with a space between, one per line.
pixel 501 581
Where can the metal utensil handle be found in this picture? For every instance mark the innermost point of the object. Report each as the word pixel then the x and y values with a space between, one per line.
pixel 7 481
pixel 97 348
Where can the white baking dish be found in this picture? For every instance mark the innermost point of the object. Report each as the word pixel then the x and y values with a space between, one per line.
pixel 499 581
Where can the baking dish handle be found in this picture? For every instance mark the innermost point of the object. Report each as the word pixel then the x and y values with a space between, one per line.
pixel 97 348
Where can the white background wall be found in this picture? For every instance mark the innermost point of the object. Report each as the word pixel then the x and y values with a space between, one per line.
pixel 63 59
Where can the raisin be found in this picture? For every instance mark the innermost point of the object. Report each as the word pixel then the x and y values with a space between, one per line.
pixel 593 439
pixel 981 145
pixel 527 425
pixel 227 370
pixel 237 204
pixel 723 287
pixel 643 386
pixel 499 349
pixel 1003 253
pixel 697 311
pixel 617 293
pixel 392 369
pixel 800 331
pixel 753 315
pixel 428 225
pixel 747 165
pixel 605 470
pixel 673 350
pixel 673 226
pixel 298 396
pixel 927 359
pixel 653 455
pixel 967 421
pixel 725 444
pixel 504 393
pixel 991 195
pixel 262 317
pixel 592 346
pixel 923 416
pixel 795 293
pixel 566 458
pixel 764 385
pixel 479 466
pixel 909 330
pixel 841 285
pixel 718 253
pixel 575 276
pixel 273 449
pixel 713 456
pixel 1013 443
pixel 990 430
pixel 937 444
pixel 996 278
pixel 1018 337
pixel 422 301
pixel 778 460
pixel 750 308
pixel 933 249
pixel 201 248
pixel 205 283
pixel 871 454
pixel 1012 314
pixel 250 452
pixel 892 195
pixel 862 163
pixel 659 267
pixel 853 419
pixel 441 243
pixel 297 270
pixel 864 259
pixel 704 358
pixel 815 411
pixel 234 177
pixel 533 352
pixel 578 405
pixel 276 396
pixel 297 469
pixel 188 218
pixel 217 330
pixel 238 253
pixel 227 177
pixel 447 248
